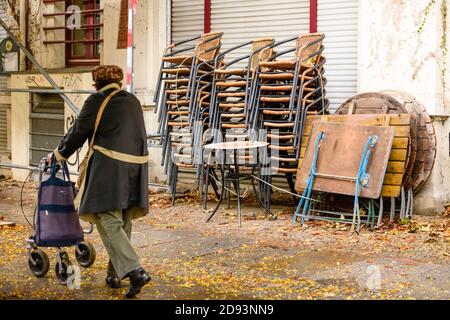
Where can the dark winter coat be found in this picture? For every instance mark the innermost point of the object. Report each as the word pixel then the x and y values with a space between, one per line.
pixel 111 184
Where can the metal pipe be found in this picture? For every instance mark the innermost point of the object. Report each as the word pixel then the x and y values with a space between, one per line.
pixel 29 168
pixel 130 48
pixel 36 90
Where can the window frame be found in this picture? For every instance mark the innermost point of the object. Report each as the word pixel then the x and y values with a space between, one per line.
pixel 90 59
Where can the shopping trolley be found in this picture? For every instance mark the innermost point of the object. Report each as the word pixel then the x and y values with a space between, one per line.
pixel 56 224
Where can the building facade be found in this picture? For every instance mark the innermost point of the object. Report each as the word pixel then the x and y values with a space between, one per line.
pixel 370 45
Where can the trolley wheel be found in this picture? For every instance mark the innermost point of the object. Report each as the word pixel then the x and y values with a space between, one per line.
pixel 39 263
pixel 85 254
pixel 61 270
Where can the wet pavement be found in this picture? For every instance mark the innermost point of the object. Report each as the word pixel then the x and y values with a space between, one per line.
pixel 263 259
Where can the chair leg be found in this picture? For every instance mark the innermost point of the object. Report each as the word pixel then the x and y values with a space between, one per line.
pixel 174 182
pixel 214 184
pixel 228 185
pixel 290 180
pixel 205 204
pixel 269 191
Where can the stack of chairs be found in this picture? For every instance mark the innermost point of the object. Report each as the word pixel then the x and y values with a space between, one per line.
pixel 229 107
pixel 184 86
pixel 284 92
pixel 232 83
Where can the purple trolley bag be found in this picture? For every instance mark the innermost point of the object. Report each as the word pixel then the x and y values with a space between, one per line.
pixel 57 221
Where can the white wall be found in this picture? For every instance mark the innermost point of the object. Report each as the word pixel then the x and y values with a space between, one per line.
pixel 393 55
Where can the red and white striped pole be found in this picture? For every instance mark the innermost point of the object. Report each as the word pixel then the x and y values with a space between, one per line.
pixel 130 49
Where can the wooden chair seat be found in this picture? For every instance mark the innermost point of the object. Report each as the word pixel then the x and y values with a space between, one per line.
pixel 284 159
pixel 231 71
pixel 232 115
pixel 279 124
pixel 177 91
pixel 233 126
pixel 231 83
pixel 281 148
pixel 281 76
pixel 232 105
pixel 242 168
pixel 178 113
pixel 277 88
pixel 236 135
pixel 178 102
pixel 178 59
pixel 284 65
pixel 177 124
pixel 278 112
pixel 280 137
pixel 285 88
pixel 184 165
pixel 231 94
pixel 278 64
pixel 177 81
pixel 275 99
pixel 179 71
pixel 285 170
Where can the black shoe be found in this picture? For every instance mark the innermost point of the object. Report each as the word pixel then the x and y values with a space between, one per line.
pixel 138 279
pixel 113 282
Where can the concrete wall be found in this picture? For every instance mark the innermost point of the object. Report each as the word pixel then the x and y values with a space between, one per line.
pixel 20 112
pixel 393 55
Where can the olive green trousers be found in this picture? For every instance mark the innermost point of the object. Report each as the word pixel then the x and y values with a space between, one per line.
pixel 114 228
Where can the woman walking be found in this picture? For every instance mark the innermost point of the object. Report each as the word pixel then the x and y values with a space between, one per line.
pixel 114 184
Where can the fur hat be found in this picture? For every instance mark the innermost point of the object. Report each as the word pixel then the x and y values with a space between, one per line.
pixel 106 74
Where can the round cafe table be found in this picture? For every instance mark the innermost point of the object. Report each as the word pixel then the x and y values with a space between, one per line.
pixel 233 174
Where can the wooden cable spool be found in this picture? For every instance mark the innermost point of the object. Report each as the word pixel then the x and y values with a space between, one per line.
pixel 422 146
pixel 426 138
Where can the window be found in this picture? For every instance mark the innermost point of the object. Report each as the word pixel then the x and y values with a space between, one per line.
pixel 46 124
pixel 82 43
pixel 83 46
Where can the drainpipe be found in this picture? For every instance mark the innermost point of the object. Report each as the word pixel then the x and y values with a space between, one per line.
pixel 23 31
pixel 26 35
pixel 130 50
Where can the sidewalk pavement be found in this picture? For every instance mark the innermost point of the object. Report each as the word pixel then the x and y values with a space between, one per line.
pixel 263 259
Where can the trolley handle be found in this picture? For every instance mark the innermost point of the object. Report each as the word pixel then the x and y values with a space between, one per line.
pixel 46 167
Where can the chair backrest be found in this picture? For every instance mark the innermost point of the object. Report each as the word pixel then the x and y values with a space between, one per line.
pixel 257 45
pixel 209 46
pixel 266 54
pixel 308 48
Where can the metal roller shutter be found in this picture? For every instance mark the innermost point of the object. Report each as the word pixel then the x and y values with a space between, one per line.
pixel 3 107
pixel 339 21
pixel 245 20
pixel 187 19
